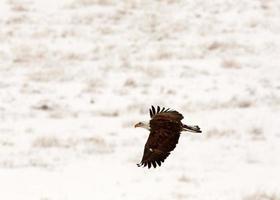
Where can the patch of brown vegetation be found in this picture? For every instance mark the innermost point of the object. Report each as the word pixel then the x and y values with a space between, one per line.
pixel 88 144
pixel 185 179
pixel 257 133
pixel 51 142
pixel 230 64
pixel 262 196
pixel 130 83
pixel 217 133
pixel 92 2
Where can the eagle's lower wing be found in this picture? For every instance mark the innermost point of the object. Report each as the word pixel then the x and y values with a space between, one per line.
pixel 152 157
pixel 162 140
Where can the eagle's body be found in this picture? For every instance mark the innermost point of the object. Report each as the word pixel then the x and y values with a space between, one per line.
pixel 165 128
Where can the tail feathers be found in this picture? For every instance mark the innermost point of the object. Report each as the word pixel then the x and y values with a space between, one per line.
pixel 194 129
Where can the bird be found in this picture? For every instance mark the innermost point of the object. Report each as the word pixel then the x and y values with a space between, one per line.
pixel 165 127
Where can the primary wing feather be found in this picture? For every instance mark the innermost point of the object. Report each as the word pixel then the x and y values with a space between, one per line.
pixel 172 114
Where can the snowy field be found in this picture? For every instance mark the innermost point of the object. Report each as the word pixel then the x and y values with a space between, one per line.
pixel 76 75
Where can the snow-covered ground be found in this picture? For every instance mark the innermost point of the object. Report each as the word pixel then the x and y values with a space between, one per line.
pixel 76 75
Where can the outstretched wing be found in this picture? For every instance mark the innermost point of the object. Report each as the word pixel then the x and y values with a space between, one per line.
pixel 164 135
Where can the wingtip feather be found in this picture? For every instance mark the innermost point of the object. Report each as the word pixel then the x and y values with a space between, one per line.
pixel 154 164
pixel 158 109
pixel 149 165
pixel 151 114
pixel 158 162
pixel 153 109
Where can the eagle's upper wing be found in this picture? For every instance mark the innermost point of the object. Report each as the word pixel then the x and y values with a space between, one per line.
pixel 166 113
pixel 164 135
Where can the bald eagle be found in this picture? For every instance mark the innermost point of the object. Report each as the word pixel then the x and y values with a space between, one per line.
pixel 165 128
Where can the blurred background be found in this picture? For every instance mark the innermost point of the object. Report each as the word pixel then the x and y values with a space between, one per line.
pixel 76 75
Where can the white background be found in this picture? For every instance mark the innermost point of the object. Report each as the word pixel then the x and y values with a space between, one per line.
pixel 75 76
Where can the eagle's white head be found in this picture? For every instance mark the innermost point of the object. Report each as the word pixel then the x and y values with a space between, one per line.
pixel 145 125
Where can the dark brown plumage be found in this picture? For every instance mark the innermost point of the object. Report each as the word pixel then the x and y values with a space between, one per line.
pixel 165 128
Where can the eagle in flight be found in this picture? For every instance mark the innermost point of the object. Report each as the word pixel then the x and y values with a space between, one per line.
pixel 165 128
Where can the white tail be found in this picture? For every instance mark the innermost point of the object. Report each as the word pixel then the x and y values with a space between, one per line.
pixel 194 129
